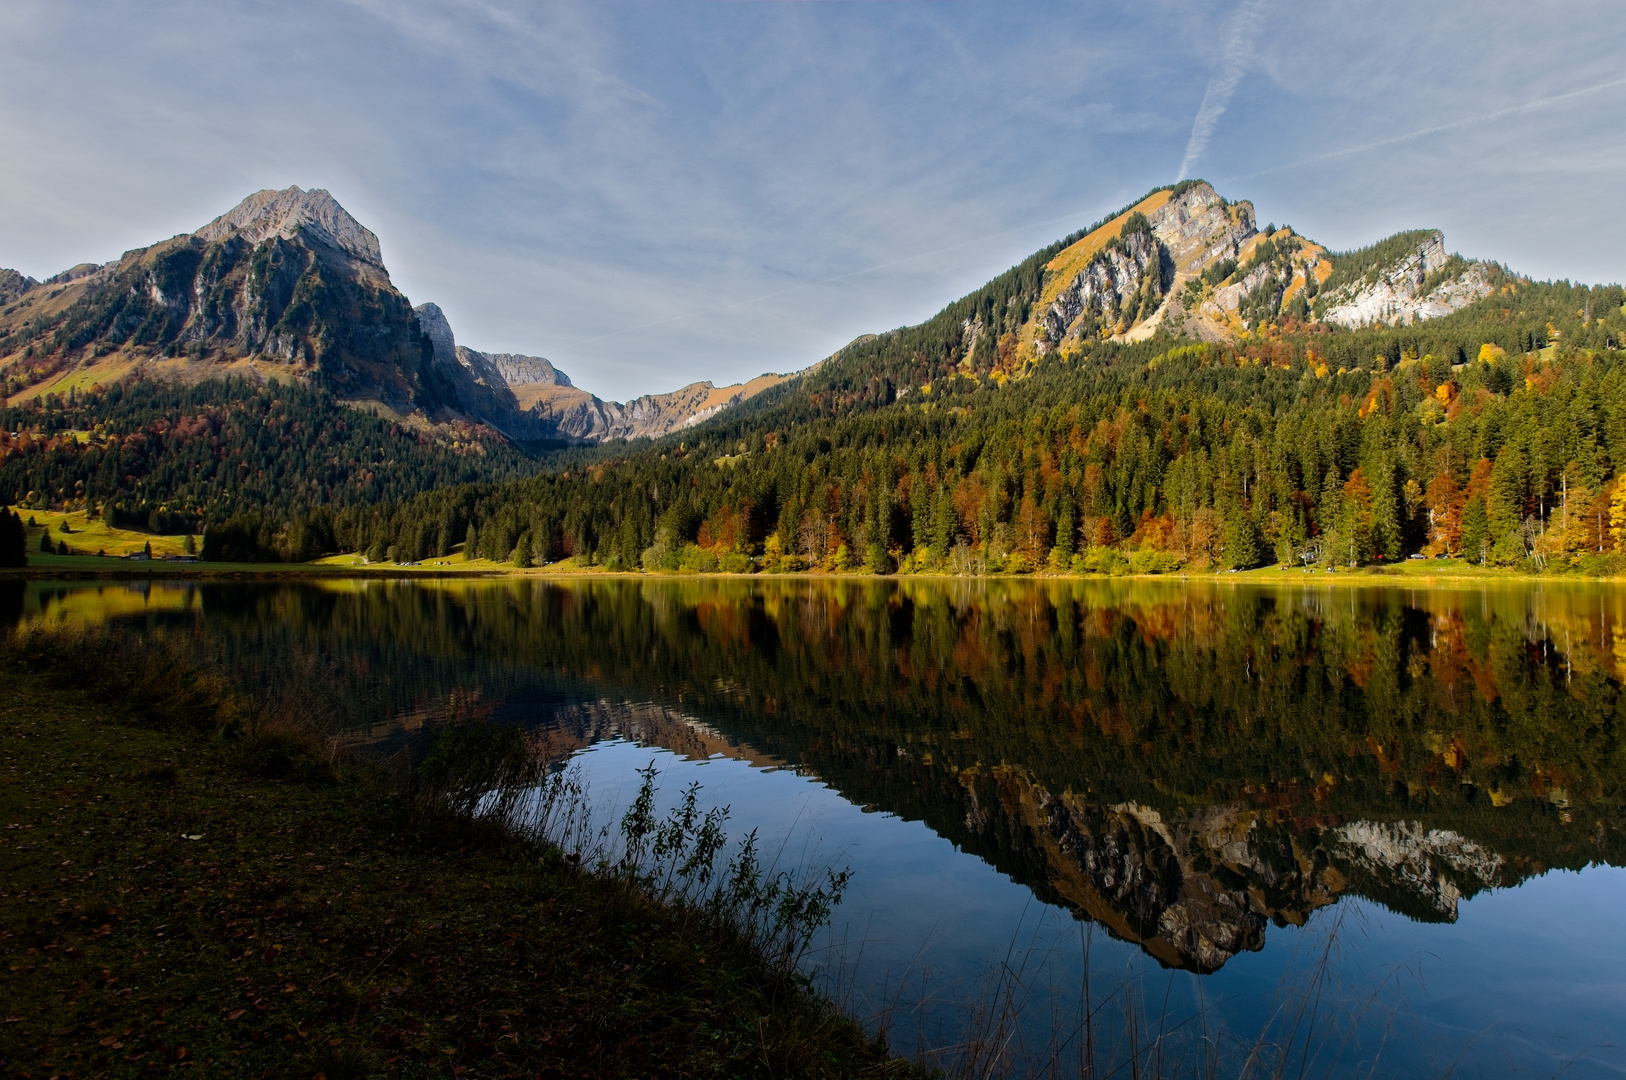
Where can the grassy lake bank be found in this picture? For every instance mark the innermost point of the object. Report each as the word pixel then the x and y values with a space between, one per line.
pixel 184 885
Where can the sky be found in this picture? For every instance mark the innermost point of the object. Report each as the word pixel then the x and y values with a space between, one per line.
pixel 653 193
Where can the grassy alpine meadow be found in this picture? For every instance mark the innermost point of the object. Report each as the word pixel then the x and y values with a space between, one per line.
pixel 189 883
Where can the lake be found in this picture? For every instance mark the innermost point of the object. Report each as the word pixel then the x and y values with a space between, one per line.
pixel 1380 826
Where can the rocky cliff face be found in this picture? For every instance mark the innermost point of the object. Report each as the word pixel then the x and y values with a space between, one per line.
pixel 1415 286
pixel 1122 284
pixel 288 283
pixel 1121 280
pixel 1187 258
pixel 285 279
pixel 527 398
pixel 517 370
pixel 13 285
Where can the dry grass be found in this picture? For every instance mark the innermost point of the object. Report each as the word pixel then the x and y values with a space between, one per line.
pixel 1065 266
pixel 198 880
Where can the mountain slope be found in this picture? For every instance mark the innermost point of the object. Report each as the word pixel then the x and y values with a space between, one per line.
pixel 1186 258
pixel 288 285
pixel 1154 392
pixel 1157 387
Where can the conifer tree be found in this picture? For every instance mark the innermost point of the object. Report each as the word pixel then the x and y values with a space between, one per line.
pixel 13 540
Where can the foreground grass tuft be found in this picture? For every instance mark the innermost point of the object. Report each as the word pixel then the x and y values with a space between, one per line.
pixel 188 884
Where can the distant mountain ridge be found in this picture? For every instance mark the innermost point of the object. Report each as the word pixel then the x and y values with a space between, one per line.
pixel 288 284
pixel 528 398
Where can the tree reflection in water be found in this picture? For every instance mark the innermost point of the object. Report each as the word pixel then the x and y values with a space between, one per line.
pixel 1183 764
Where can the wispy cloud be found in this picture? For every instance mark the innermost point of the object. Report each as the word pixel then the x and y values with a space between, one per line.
pixel 1438 129
pixel 1230 66
pixel 655 193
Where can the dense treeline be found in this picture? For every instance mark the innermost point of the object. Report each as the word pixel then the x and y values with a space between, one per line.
pixel 1497 433
pixel 168 458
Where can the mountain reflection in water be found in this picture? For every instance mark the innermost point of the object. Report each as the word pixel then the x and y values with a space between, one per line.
pixel 1183 764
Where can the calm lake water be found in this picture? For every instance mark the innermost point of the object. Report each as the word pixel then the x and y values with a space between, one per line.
pixel 1390 818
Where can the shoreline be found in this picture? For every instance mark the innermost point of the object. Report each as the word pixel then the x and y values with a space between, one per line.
pixel 74 568
pixel 246 900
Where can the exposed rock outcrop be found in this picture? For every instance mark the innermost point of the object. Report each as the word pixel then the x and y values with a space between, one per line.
pixel 13 285
pixel 291 213
pixel 1409 289
pixel 517 370
pixel 1119 286
pixel 1121 279
pixel 527 398
pixel 1186 258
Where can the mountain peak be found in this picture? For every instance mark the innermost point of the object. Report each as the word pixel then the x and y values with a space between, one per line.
pixel 284 213
pixel 432 321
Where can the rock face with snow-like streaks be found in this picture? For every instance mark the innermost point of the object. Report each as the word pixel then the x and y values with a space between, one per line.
pixel 1409 289
pixel 1436 865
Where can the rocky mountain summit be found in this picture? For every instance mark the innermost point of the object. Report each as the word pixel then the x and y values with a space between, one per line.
pixel 1186 258
pixel 13 285
pixel 287 284
pixel 293 213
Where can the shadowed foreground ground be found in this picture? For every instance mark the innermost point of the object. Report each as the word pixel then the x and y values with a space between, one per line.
pixel 180 893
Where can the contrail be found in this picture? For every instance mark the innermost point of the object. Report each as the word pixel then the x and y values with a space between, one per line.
pixel 1466 121
pixel 1214 102
pixel 1233 58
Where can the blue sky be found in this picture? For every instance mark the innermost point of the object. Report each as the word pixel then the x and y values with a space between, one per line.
pixel 651 193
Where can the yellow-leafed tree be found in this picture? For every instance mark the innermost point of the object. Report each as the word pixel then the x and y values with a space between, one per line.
pixel 1617 515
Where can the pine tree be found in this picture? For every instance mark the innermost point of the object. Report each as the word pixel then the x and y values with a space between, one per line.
pixel 1066 533
pixel 944 524
pixel 920 512
pixel 1386 523
pixel 1475 529
pixel 13 540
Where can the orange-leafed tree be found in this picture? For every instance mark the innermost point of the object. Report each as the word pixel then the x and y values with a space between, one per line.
pixel 1445 501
